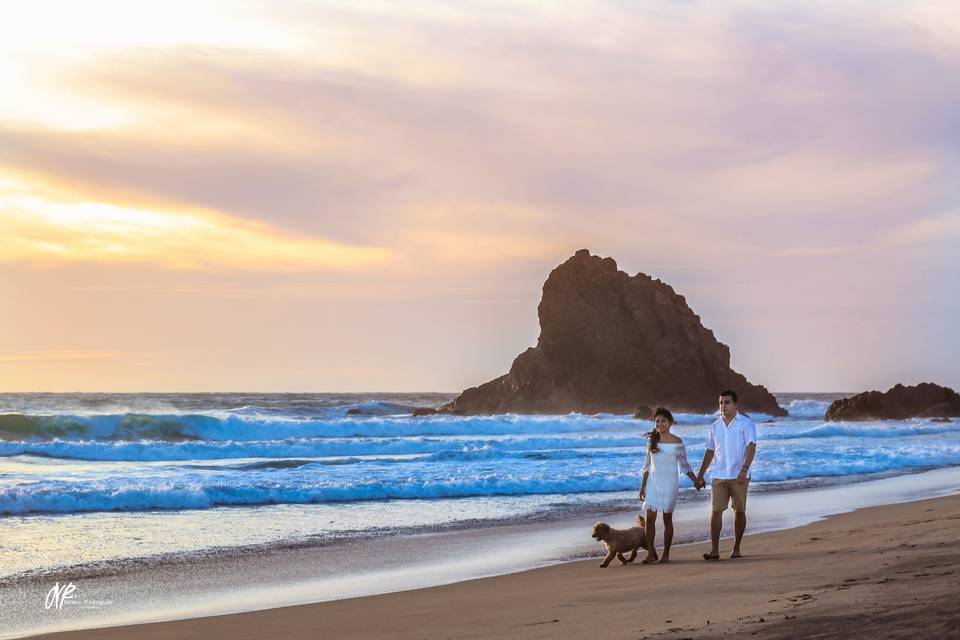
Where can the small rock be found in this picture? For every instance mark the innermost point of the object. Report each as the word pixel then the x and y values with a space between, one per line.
pixel 925 400
pixel 643 412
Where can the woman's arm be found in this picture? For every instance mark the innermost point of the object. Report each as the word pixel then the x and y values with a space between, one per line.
pixel 682 459
pixel 685 466
pixel 646 474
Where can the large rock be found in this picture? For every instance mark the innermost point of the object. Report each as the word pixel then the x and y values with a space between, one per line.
pixel 609 342
pixel 926 400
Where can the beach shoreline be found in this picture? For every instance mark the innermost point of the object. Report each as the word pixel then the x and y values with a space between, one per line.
pixel 884 564
pixel 230 585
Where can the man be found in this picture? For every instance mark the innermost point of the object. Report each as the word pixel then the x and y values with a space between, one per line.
pixel 731 443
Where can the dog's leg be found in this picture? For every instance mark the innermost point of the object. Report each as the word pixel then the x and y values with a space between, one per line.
pixel 622 559
pixel 633 555
pixel 606 561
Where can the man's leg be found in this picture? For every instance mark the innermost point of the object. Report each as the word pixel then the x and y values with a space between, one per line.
pixel 739 495
pixel 716 524
pixel 739 526
pixel 719 500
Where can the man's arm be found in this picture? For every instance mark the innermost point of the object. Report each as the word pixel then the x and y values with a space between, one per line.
pixel 707 459
pixel 750 435
pixel 747 461
pixel 709 446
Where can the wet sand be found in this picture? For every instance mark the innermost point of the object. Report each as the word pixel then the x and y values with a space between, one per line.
pixel 882 572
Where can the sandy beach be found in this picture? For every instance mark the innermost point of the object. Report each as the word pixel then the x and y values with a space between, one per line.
pixel 881 572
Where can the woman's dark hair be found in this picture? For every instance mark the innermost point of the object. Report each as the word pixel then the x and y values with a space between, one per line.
pixel 653 438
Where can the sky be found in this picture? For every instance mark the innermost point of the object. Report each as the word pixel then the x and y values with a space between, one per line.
pixel 368 196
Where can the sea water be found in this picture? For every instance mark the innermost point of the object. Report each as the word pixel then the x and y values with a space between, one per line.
pixel 93 478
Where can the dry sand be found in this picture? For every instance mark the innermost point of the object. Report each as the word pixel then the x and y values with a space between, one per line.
pixel 882 572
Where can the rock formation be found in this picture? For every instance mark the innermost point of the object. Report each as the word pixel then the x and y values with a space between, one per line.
pixel 610 342
pixel 926 400
pixel 643 412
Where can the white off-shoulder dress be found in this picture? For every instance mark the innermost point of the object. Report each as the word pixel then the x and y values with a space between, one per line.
pixel 663 484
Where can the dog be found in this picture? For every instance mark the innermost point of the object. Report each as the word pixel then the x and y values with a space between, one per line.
pixel 619 541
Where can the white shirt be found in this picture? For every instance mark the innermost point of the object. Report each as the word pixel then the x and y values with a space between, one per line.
pixel 729 445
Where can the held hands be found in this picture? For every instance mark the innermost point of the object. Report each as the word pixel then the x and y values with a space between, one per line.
pixel 700 483
pixel 696 481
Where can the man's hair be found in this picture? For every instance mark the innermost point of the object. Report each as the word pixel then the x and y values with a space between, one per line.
pixel 732 394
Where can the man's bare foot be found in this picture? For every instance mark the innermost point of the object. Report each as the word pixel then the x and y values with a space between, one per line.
pixel 735 554
pixel 711 556
pixel 650 559
pixel 664 559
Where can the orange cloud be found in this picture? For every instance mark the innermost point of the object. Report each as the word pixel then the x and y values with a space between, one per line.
pixel 61 356
pixel 44 227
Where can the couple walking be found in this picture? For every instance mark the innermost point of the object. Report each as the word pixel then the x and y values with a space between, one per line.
pixel 731 444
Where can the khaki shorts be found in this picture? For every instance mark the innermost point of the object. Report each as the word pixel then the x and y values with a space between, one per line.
pixel 726 490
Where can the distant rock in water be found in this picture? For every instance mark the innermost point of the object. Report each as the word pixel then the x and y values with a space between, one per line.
pixel 926 400
pixel 643 412
pixel 610 342
pixel 380 408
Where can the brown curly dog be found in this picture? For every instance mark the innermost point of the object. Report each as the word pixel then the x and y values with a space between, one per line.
pixel 620 541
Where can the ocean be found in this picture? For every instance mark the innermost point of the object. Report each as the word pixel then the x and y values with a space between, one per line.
pixel 121 477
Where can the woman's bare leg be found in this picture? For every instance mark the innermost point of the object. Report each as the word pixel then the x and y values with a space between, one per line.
pixel 651 537
pixel 667 536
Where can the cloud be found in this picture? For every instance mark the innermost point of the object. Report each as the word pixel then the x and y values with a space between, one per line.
pixel 940 230
pixel 758 112
pixel 61 356
pixel 801 154
pixel 45 227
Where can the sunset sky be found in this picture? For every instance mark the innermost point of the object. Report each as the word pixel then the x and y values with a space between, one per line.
pixel 367 196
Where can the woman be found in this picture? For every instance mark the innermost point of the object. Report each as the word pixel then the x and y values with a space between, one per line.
pixel 665 451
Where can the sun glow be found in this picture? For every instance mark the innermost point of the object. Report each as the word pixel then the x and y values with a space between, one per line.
pixel 46 227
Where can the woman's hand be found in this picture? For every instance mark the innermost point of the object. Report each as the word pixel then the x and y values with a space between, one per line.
pixel 643 493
